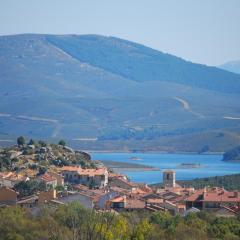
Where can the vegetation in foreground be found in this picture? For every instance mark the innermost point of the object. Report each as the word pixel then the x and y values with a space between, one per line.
pixel 229 182
pixel 76 223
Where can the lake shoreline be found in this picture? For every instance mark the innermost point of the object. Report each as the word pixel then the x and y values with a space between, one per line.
pixel 154 152
pixel 119 170
pixel 126 166
pixel 208 165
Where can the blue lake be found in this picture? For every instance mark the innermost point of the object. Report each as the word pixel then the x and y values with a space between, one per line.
pixel 212 165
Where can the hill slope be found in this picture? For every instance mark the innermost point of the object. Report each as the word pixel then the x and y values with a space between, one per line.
pixel 90 86
pixel 232 155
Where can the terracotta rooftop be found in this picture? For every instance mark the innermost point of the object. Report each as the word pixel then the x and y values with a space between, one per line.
pixel 12 176
pixel 70 168
pixel 135 204
pixel 138 191
pixel 5 174
pixel 47 178
pixel 195 196
pixel 118 199
pixel 115 175
pixel 168 195
pixel 28 199
pixel 235 208
pixel 155 200
pixel 120 190
pixel 131 184
pixel 214 195
pixel 95 194
pixel 131 203
pixel 221 195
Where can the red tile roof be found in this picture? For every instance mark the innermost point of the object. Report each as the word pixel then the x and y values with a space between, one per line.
pixel 95 194
pixel 47 178
pixel 155 200
pixel 130 184
pixel 195 196
pixel 12 176
pixel 131 203
pixel 135 204
pixel 70 168
pixel 222 196
pixel 117 199
pixel 214 195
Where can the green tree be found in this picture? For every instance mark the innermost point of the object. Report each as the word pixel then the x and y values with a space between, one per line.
pixel 29 187
pixel 143 230
pixel 20 141
pixel 62 142
pixel 60 188
pixel 5 163
pixel 16 224
pixel 32 142
pixel 42 143
pixel 42 170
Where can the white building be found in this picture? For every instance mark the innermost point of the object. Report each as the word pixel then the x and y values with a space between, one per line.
pixel 50 181
pixel 9 179
pixel 90 177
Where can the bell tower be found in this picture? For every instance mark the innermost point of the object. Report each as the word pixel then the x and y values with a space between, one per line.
pixel 169 178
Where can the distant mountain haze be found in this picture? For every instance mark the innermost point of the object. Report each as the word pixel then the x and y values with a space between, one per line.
pixel 233 66
pixel 119 92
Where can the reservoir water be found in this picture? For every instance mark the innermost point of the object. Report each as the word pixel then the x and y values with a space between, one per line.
pixel 210 165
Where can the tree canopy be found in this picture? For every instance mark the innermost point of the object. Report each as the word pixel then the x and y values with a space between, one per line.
pixel 73 222
pixel 21 140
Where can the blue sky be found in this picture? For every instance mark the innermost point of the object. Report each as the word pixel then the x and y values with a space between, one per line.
pixel 204 31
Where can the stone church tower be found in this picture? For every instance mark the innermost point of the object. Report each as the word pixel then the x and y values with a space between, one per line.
pixel 169 178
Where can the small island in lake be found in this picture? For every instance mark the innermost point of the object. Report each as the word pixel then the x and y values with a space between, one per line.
pixel 125 166
pixel 135 158
pixel 190 165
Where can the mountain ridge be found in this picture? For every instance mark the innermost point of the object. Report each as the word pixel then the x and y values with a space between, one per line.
pixel 94 86
pixel 157 59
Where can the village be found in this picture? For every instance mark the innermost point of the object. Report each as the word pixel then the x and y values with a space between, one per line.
pixel 40 174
